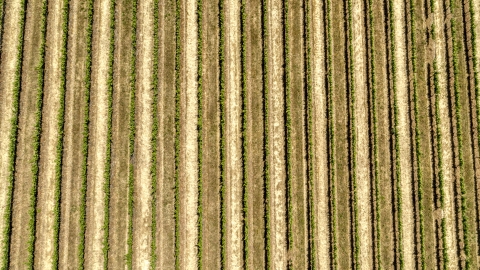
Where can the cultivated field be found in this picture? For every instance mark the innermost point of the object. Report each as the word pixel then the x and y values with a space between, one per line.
pixel 240 134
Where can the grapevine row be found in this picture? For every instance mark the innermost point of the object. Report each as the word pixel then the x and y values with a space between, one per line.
pixel 243 52
pixel 60 132
pixel 131 136
pixel 153 143
pixel 310 141
pixel 373 86
pixel 353 136
pixel 223 210
pixel 418 153
pixel 12 148
pixel 177 133
pixel 266 153
pixel 108 156
pixel 455 45
pixel 436 85
pixel 86 112
pixel 288 128
pixel 331 137
pixel 37 131
pixel 395 128
pixel 200 130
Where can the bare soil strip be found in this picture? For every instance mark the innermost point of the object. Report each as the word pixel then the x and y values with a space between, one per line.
pixel 166 151
pixel 448 212
pixel 233 167
pixel 44 243
pixel 72 154
pixel 362 137
pixel 278 243
pixel 8 65
pixel 120 137
pixel 98 138
pixel 22 204
pixel 299 248
pixel 189 152
pixel 210 170
pixel 402 99
pixel 255 131
pixel 143 135
pixel 321 197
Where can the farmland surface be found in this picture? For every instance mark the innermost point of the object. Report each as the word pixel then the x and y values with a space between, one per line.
pixel 239 134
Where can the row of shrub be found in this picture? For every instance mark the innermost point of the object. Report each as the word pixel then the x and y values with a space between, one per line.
pixel 455 59
pixel 85 133
pixel 243 52
pixel 12 145
pixel 37 131
pixel 155 132
pixel 436 85
pixel 108 154
pixel 353 135
pixel 476 72
pixel 200 130
pixel 288 127
pixel 177 131
pixel 60 132
pixel 331 136
pixel 131 136
pixel 396 134
pixel 266 145
pixel 373 86
pixel 310 140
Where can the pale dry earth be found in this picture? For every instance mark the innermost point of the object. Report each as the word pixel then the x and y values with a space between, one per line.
pixel 22 204
pixel 72 153
pixel 362 137
pixel 448 211
pixel 320 155
pixel 97 145
pixel 8 64
pixel 45 236
pixel 143 134
pixel 190 182
pixel 278 226
pixel 403 128
pixel 233 137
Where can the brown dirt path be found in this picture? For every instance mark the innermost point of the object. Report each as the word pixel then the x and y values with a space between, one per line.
pixel 119 220
pixel 233 165
pixel 362 136
pixel 72 153
pixel 143 135
pixel 299 248
pixel 8 65
pixel 166 151
pixel 448 212
pixel 403 128
pixel 211 138
pixel 278 243
pixel 189 151
pixel 98 137
pixel 255 135
pixel 20 234
pixel 44 248
pixel 320 144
